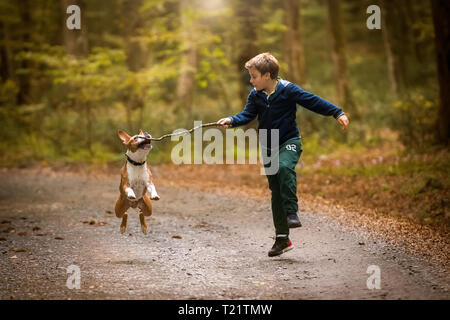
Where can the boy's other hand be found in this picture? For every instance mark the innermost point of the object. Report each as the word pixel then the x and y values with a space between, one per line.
pixel 224 123
pixel 343 121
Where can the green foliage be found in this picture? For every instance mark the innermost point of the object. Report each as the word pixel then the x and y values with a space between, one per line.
pixel 415 119
pixel 128 79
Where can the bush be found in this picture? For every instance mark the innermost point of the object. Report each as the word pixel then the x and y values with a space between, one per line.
pixel 415 118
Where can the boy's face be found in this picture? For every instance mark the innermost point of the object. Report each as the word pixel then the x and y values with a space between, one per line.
pixel 259 81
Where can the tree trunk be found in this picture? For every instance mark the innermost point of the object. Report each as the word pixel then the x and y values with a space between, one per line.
pixel 188 69
pixel 136 56
pixel 341 81
pixel 441 19
pixel 293 47
pixel 24 95
pixel 246 13
pixel 396 43
pixel 132 21
pixel 6 66
pixel 391 63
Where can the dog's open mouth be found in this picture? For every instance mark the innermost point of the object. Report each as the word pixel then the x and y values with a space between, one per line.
pixel 146 145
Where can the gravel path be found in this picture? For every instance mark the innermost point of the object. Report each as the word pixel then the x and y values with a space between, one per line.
pixel 199 246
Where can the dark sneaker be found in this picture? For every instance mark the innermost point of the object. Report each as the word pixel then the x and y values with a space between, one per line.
pixel 281 245
pixel 293 221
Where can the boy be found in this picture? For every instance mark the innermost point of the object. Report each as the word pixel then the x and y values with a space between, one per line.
pixel 274 101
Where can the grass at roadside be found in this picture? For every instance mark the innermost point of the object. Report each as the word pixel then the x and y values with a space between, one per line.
pixel 386 177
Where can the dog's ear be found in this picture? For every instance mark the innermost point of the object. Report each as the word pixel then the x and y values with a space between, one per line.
pixel 124 136
pixel 141 132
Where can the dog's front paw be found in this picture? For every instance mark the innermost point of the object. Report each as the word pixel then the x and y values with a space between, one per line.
pixel 155 197
pixel 130 194
pixel 122 229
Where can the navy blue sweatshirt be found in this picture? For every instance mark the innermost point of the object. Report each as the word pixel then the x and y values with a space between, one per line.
pixel 278 111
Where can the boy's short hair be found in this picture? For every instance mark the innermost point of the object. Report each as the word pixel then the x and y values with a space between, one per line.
pixel 264 62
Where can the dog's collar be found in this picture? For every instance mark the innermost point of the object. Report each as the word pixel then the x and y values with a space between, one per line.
pixel 134 163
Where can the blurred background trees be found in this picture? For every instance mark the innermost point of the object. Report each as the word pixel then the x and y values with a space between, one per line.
pixel 161 64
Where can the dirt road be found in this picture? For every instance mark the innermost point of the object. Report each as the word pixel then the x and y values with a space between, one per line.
pixel 200 246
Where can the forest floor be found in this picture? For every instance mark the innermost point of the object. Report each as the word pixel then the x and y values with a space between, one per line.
pixel 209 237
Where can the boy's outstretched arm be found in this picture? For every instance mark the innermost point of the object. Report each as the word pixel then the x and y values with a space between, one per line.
pixel 247 115
pixel 318 105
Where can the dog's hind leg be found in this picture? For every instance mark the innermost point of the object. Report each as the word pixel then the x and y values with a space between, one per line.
pixel 143 224
pixel 123 225
pixel 122 205
pixel 145 207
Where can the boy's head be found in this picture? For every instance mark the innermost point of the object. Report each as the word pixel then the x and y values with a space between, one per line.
pixel 262 68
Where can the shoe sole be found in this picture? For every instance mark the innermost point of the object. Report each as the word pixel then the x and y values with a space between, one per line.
pixel 294 225
pixel 282 251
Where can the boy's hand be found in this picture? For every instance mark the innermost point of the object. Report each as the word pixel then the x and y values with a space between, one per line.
pixel 343 121
pixel 224 123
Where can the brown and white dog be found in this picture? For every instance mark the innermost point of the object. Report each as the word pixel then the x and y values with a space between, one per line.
pixel 136 180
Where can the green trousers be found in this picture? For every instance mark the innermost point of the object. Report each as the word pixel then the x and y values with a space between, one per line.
pixel 283 184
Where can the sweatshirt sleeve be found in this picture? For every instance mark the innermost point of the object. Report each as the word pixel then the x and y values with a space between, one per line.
pixel 315 103
pixel 247 115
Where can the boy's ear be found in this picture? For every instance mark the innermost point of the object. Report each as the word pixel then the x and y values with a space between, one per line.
pixel 124 136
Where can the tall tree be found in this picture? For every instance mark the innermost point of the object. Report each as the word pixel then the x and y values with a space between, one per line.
pixel 340 76
pixel 293 46
pixel 246 12
pixel 396 42
pixel 132 23
pixel 186 80
pixel 24 95
pixel 76 45
pixel 441 19
pixel 136 57
pixel 6 55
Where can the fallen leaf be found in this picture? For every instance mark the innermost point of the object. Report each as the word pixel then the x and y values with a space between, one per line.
pixel 176 236
pixel 2 239
pixel 36 228
pixel 13 257
pixel 91 222
pixel 59 238
pixel 18 250
pixel 9 230
pixel 22 234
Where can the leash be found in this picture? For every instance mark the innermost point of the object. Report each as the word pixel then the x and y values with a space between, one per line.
pixel 147 136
